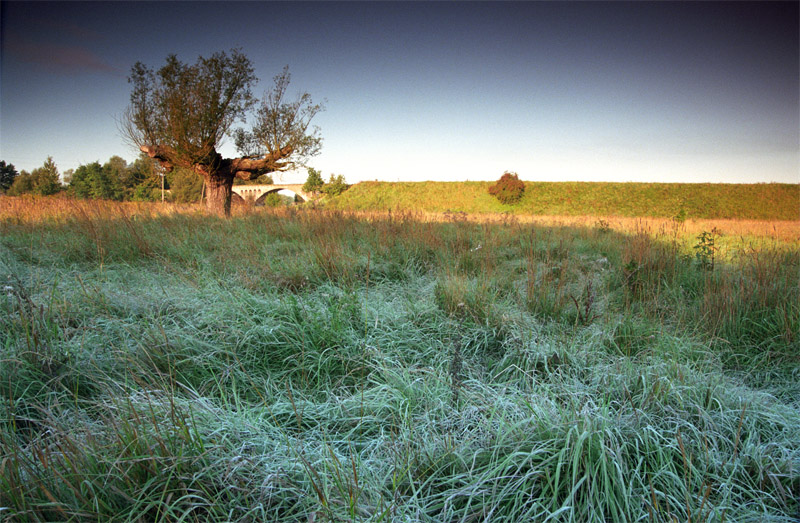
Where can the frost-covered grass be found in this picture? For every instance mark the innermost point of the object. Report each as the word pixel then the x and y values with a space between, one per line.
pixel 316 366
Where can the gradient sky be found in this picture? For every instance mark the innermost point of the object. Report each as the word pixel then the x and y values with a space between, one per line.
pixel 661 92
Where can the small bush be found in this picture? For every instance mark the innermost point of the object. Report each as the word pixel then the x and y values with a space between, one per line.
pixel 508 189
pixel 274 199
pixel 706 249
pixel 335 186
pixel 314 182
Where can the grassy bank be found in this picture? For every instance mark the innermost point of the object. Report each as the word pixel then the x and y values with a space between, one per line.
pixel 698 201
pixel 160 365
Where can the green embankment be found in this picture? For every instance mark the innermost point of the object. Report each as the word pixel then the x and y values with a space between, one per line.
pixel 753 201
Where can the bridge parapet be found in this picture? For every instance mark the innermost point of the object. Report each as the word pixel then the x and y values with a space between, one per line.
pixel 254 192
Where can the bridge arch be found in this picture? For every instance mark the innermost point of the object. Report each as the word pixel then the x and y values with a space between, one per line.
pixel 260 200
pixel 257 193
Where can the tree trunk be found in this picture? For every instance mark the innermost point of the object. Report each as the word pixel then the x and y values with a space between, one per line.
pixel 218 193
pixel 219 173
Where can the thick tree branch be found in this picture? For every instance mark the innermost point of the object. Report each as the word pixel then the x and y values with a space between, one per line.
pixel 161 153
pixel 244 168
pixel 250 168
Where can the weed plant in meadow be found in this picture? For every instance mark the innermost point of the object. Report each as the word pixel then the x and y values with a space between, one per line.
pixel 159 364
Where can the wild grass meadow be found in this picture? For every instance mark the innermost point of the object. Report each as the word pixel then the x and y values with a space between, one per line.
pixel 160 364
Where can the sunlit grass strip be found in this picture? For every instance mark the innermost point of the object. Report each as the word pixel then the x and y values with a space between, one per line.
pixel 751 201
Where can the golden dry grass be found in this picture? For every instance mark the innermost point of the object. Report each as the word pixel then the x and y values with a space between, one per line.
pixel 34 209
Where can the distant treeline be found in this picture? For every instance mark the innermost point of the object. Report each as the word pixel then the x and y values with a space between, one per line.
pixel 115 179
pixel 118 180
pixel 770 201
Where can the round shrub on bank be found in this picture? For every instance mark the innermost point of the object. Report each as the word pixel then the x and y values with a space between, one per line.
pixel 508 189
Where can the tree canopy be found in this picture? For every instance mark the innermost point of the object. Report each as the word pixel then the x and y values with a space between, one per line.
pixel 314 182
pixel 43 180
pixel 115 179
pixel 7 175
pixel 183 111
pixel 336 185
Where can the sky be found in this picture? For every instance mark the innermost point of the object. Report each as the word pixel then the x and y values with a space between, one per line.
pixel 555 91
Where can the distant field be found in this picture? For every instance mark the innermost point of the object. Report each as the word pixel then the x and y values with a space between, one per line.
pixel 754 201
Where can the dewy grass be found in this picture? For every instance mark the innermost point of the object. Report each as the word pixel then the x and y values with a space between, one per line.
pixel 321 366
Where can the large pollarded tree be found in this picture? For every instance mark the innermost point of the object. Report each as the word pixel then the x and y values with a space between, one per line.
pixel 180 114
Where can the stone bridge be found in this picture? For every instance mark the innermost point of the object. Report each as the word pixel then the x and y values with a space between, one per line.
pixel 257 193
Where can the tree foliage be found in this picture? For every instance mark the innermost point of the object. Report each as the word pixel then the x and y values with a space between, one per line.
pixel 314 182
pixel 43 180
pixel 335 186
pixel 144 178
pixel 186 109
pixel 23 184
pixel 184 185
pixel 116 180
pixel 276 199
pixel 97 181
pixel 7 175
pixel 508 189
pixel 46 178
pixel 279 122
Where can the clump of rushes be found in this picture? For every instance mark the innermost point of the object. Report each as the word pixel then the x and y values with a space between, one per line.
pixel 392 367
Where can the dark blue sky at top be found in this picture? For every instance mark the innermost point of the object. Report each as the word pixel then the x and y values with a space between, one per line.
pixel 555 91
